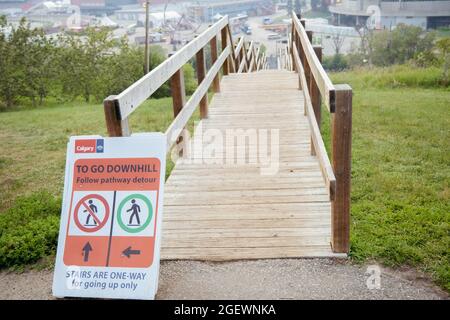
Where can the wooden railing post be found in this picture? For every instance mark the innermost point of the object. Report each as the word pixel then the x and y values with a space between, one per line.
pixel 341 135
pixel 307 69
pixel 299 43
pixel 224 39
pixel 315 94
pixel 213 45
pixel 178 91
pixel 201 72
pixel 116 127
pixel 178 100
pixel 232 58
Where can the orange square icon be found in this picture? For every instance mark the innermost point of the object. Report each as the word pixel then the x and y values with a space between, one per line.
pixel 131 252
pixel 86 251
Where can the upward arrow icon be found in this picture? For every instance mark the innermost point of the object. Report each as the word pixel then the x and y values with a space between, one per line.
pixel 86 250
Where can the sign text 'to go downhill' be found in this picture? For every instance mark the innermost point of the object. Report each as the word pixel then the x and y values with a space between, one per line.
pixel 109 239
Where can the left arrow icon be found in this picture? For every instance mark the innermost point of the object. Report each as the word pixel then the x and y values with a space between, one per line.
pixel 86 250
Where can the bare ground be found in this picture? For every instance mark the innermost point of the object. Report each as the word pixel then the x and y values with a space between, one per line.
pixel 257 279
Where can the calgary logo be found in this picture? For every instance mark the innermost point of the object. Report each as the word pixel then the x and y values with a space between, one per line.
pixel 89 146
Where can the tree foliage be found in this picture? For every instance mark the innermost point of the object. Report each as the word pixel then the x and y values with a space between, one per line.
pixel 399 45
pixel 92 66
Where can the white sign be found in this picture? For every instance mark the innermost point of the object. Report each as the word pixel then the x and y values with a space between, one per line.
pixel 110 232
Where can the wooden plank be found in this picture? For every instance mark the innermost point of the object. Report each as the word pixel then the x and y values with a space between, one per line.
pixel 243 232
pixel 324 83
pixel 341 135
pixel 232 55
pixel 224 199
pixel 242 65
pixel 130 99
pixel 250 52
pixel 229 210
pixel 246 224
pixel 316 136
pixel 201 70
pixel 198 242
pixel 178 91
pixel 115 126
pixel 224 40
pixel 213 45
pixel 174 130
pixel 315 96
pixel 195 215
pixel 213 254
pixel 239 47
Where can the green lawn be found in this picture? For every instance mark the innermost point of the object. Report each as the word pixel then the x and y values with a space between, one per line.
pixel 400 175
pixel 33 142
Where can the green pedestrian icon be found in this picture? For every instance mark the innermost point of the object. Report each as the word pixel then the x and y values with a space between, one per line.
pixel 131 213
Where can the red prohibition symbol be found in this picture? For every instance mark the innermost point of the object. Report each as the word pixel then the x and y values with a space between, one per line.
pixel 83 204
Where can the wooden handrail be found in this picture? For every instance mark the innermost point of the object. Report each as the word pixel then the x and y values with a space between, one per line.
pixel 175 129
pixel 315 84
pixel 119 108
pixel 324 83
pixel 133 96
pixel 321 152
pixel 239 46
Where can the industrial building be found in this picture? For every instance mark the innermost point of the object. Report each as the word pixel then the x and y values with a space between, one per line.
pixel 205 10
pixel 386 14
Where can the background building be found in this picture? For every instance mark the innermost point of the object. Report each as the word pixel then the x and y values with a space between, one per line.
pixel 425 13
pixel 205 10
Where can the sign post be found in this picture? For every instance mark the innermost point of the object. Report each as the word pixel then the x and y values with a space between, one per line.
pixel 110 232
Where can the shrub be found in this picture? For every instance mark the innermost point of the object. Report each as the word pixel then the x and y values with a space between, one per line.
pixel 29 230
pixel 338 62
pixel 397 76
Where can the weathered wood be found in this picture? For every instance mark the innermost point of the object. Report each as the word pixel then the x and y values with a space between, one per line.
pixel 181 120
pixel 130 99
pixel 115 126
pixel 238 49
pixel 232 55
pixel 221 211
pixel 341 133
pixel 315 95
pixel 224 254
pixel 323 81
pixel 242 65
pixel 216 82
pixel 178 91
pixel 249 54
pixel 224 40
pixel 316 137
pixel 201 71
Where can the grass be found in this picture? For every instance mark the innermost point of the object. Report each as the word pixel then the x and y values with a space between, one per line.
pixel 400 168
pixel 400 174
pixel 399 76
pixel 33 142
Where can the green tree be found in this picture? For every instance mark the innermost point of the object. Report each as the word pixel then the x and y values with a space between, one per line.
pixel 81 62
pixel 26 63
pixel 443 45
pixel 400 45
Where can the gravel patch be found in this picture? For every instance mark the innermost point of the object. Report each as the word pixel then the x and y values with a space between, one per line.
pixel 254 279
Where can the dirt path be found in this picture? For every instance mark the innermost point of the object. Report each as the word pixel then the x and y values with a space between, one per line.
pixel 261 279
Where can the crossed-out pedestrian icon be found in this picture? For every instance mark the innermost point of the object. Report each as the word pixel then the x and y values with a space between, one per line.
pixel 91 213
